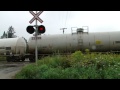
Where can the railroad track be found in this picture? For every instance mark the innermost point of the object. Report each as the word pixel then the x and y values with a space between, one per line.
pixel 13 64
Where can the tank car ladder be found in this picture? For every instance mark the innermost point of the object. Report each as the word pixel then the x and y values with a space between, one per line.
pixel 80 42
pixel 80 32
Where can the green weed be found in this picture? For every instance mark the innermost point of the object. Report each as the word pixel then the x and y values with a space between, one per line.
pixel 74 66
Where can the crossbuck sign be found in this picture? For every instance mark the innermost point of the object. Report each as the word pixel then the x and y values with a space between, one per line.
pixel 36 17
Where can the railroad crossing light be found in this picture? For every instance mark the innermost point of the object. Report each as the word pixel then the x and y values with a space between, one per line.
pixel 41 29
pixel 30 29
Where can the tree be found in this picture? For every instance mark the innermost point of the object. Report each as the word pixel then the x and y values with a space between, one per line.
pixel 4 35
pixel 10 32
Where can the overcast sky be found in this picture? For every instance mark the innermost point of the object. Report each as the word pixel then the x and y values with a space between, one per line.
pixel 97 21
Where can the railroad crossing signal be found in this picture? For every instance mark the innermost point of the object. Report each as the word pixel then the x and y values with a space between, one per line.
pixel 36 16
pixel 40 30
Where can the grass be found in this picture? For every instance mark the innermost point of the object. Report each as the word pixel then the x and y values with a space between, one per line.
pixel 2 58
pixel 74 66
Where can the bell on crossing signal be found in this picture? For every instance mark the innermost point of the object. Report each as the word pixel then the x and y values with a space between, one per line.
pixel 41 29
pixel 30 29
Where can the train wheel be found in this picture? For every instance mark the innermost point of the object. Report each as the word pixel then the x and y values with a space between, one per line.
pixel 32 59
pixel 23 59
pixel 16 59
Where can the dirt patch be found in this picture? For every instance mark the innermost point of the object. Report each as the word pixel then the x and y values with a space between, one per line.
pixel 8 70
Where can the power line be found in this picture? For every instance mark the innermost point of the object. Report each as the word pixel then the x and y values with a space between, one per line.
pixel 65 23
pixel 66 18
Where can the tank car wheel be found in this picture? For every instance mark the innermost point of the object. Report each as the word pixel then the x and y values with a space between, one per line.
pixel 32 59
pixel 23 59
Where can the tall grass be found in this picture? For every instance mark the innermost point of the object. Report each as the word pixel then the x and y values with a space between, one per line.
pixel 74 66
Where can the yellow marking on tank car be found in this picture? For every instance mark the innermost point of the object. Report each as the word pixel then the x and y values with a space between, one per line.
pixel 98 42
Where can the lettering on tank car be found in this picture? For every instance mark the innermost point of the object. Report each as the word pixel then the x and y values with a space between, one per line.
pixel 117 42
pixel 44 47
pixel 33 38
pixel 2 47
pixel 8 48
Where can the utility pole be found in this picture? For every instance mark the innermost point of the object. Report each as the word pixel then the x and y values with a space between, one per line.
pixel 63 29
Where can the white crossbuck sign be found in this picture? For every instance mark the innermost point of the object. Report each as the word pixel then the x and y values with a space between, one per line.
pixel 36 16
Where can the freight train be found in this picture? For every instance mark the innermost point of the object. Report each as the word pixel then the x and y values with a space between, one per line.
pixel 17 49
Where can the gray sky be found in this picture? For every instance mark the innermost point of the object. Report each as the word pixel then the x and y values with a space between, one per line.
pixel 97 21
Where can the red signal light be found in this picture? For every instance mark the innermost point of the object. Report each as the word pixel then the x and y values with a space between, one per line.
pixel 41 29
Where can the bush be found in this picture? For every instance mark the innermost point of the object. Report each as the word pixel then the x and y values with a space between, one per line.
pixel 75 66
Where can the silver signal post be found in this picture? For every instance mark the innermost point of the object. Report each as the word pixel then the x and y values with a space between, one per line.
pixel 36 49
pixel 36 17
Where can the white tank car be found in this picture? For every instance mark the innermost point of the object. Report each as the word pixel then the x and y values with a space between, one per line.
pixel 13 48
pixel 65 43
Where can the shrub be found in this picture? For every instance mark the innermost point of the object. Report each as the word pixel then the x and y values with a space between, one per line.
pixel 75 66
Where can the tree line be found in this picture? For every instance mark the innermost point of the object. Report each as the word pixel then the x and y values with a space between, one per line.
pixel 9 34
